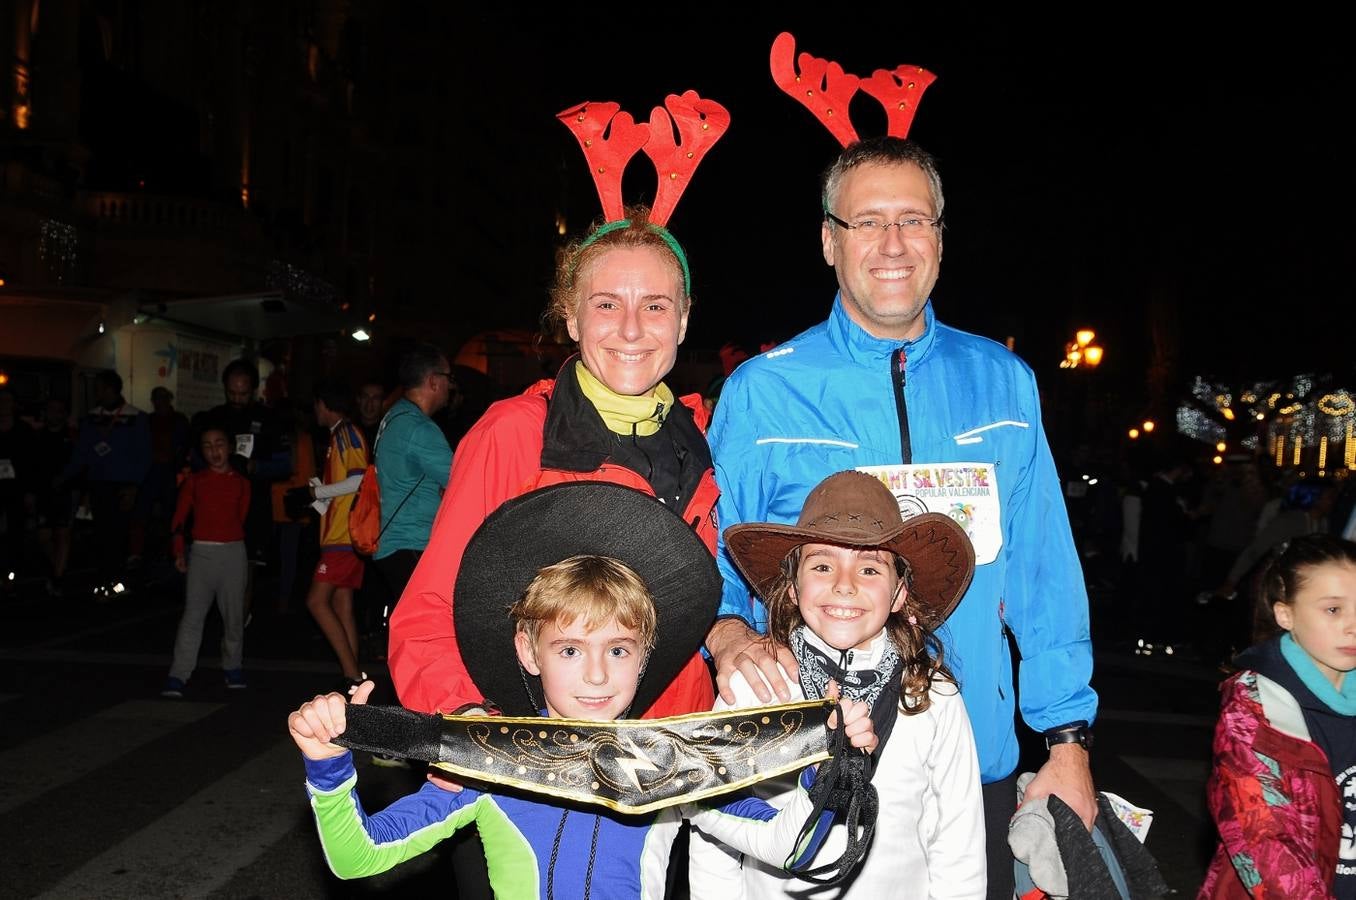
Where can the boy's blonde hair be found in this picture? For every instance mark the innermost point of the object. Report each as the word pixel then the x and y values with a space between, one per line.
pixel 596 588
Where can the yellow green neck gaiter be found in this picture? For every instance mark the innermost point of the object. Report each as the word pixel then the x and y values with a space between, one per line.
pixel 622 414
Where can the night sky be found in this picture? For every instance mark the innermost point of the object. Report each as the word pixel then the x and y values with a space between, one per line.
pixel 1094 169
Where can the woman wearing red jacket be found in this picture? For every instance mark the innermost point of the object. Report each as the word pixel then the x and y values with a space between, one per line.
pixel 622 294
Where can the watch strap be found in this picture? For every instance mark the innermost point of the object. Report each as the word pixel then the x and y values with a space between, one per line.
pixel 1073 733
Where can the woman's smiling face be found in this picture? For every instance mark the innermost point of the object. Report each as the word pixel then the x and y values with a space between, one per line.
pixel 631 317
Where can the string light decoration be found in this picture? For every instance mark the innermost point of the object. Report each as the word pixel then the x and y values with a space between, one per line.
pixel 298 283
pixel 58 247
pixel 1302 419
pixel 1337 404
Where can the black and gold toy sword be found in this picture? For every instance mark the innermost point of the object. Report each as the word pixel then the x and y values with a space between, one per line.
pixel 627 765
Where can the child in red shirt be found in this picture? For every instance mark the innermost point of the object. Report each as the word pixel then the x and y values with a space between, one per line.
pixel 218 499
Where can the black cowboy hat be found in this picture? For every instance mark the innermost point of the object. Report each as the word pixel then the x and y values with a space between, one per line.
pixel 546 526
pixel 854 509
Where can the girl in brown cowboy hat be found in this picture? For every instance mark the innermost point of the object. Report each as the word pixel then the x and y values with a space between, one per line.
pixel 856 592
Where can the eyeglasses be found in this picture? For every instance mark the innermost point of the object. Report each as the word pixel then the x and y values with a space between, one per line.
pixel 871 230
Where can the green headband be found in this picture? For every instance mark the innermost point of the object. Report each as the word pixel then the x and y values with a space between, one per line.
pixel 663 233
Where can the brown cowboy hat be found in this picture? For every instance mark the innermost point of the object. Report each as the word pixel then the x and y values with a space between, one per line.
pixel 854 509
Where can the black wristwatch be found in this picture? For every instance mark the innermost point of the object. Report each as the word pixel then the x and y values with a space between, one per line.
pixel 1073 733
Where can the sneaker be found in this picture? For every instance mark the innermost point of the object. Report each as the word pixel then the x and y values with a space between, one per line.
pixel 235 679
pixel 389 762
pixel 173 689
pixel 113 590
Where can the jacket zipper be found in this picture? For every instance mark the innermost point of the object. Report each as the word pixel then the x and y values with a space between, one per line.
pixel 897 378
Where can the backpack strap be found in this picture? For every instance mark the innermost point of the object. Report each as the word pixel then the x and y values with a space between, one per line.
pixel 399 507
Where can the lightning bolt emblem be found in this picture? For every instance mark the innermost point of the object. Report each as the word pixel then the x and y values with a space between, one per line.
pixel 636 761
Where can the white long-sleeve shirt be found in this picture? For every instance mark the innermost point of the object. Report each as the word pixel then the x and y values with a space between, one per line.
pixel 929 840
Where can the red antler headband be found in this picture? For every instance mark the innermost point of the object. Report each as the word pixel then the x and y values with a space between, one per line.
pixel 700 124
pixel 826 90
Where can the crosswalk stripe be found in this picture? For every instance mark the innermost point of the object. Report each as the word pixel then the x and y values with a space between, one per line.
pixel 200 846
pixel 162 660
pixel 29 769
pixel 76 637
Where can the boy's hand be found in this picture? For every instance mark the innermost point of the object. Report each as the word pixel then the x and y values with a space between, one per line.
pixel 181 563
pixel 857 724
pixel 321 720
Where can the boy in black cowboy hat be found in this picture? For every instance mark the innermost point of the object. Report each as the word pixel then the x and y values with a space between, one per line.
pixel 856 592
pixel 578 601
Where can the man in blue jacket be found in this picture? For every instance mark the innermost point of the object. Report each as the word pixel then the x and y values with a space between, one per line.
pixel 883 383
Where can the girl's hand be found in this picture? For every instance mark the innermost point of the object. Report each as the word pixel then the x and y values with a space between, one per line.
pixel 857 724
pixel 318 722
pixel 181 563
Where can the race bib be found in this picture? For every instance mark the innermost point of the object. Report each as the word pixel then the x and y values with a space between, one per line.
pixel 6 470
pixel 244 445
pixel 965 491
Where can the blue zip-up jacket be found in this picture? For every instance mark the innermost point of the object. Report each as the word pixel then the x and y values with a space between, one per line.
pixel 825 401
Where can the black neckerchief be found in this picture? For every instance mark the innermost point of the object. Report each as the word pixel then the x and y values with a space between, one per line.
pixel 575 439
pixel 871 675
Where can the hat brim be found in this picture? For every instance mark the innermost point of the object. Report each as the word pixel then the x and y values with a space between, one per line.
pixel 939 553
pixel 542 528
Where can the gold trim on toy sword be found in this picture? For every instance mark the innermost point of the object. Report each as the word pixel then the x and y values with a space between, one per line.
pixel 627 765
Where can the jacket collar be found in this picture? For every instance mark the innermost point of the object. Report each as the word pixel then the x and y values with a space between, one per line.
pixel 862 347
pixel 855 660
pixel 575 438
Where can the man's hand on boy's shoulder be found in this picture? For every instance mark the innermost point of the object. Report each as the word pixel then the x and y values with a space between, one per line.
pixel 319 721
pixel 444 782
pixel 735 647
pixel 442 779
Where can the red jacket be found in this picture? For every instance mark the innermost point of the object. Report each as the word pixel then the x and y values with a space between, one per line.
pixel 1274 801
pixel 218 503
pixel 501 458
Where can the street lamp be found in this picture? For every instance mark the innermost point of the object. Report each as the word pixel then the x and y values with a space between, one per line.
pixel 1081 351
